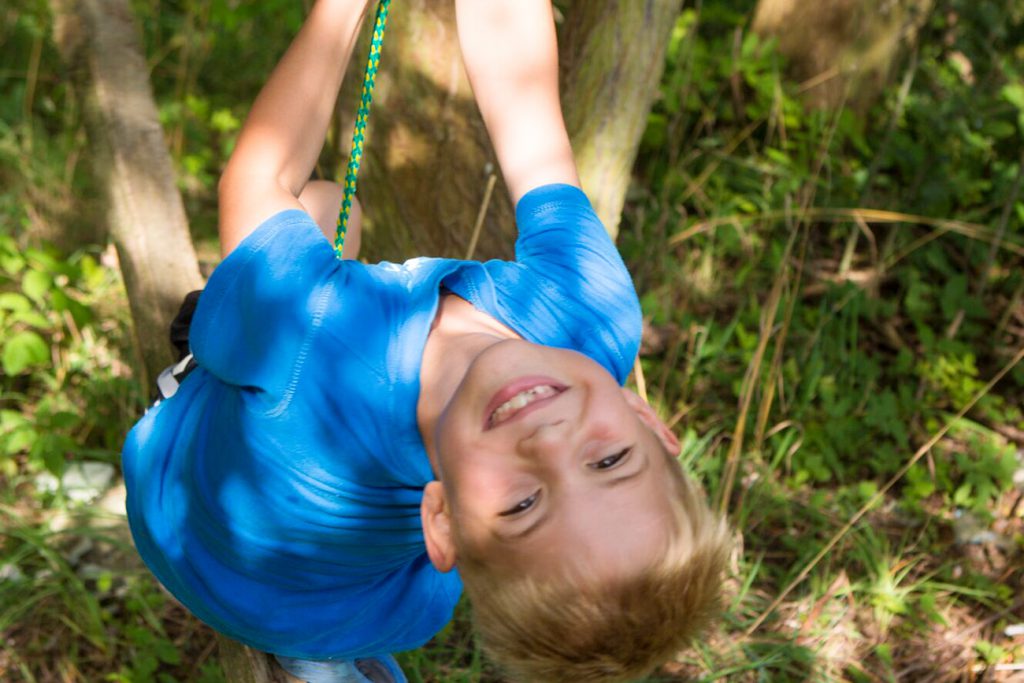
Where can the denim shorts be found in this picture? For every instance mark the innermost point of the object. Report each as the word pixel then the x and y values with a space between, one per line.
pixel 371 670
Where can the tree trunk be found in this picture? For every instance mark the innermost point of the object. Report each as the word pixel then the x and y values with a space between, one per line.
pixel 428 157
pixel 99 41
pixel 844 50
pixel 242 664
pixel 612 56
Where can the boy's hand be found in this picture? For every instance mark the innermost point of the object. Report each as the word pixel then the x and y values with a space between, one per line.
pixel 511 56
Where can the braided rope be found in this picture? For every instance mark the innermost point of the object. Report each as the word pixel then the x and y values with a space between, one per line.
pixel 362 116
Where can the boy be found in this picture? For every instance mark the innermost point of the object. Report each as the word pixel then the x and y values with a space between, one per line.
pixel 353 432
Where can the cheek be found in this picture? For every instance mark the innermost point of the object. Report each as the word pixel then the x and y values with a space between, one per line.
pixel 479 487
pixel 452 441
pixel 609 422
pixel 458 425
pixel 479 484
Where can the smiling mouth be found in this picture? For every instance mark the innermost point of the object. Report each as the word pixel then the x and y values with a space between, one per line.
pixel 520 396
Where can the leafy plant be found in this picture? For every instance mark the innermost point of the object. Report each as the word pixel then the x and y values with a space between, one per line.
pixel 60 369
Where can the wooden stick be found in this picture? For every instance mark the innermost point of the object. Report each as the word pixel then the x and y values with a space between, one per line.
pixel 480 215
pixel 641 382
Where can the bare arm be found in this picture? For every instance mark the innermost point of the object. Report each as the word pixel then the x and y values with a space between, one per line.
pixel 322 200
pixel 284 132
pixel 511 56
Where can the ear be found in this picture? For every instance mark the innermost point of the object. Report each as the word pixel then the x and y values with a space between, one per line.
pixel 437 527
pixel 650 418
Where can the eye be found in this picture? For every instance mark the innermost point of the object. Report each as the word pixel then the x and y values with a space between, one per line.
pixel 611 461
pixel 522 506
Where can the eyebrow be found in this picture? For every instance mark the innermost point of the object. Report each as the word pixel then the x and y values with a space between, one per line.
pixel 611 483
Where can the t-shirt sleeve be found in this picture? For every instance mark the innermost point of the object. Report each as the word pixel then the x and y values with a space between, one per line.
pixel 262 305
pixel 563 241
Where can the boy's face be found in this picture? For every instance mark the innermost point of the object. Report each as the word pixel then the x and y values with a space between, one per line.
pixel 544 460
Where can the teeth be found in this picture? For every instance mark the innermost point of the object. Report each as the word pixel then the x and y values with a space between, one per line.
pixel 520 401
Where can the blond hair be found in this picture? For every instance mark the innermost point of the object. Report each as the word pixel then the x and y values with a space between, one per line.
pixel 572 629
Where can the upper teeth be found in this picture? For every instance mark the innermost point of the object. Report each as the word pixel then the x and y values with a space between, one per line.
pixel 520 401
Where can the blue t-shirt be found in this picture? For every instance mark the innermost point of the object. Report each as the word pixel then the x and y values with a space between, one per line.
pixel 277 493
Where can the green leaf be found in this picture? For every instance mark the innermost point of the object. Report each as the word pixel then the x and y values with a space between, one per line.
pixel 656 134
pixel 917 300
pixel 866 489
pixel 962 496
pixel 919 482
pixel 745 205
pixel 990 652
pixel 11 301
pixel 11 262
pixel 166 651
pixel 105 582
pixel 21 441
pixel 65 420
pixel 36 284
pixel 145 666
pixel 224 121
pixel 24 350
pixel 92 273
pixel 1014 94
pixel 1000 130
pixel 747 340
pixel 60 302
pixel 43 260
pixel 778 156
pixel 50 450
pixel 883 413
pixel 749 47
pixel 12 419
pixel 954 296
pixel 31 318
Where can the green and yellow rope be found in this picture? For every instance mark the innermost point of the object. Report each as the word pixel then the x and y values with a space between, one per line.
pixel 362 115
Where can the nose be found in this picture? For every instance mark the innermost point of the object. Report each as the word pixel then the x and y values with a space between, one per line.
pixel 547 440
